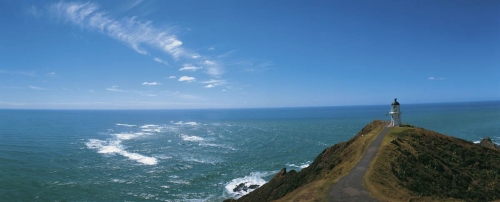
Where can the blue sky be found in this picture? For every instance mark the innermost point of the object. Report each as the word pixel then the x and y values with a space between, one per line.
pixel 241 54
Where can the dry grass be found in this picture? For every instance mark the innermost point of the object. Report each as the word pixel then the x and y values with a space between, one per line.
pixel 318 189
pixel 387 188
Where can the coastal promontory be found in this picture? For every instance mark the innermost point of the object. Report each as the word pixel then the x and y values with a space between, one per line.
pixel 411 164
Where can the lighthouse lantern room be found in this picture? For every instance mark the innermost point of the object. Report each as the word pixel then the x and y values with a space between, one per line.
pixel 395 114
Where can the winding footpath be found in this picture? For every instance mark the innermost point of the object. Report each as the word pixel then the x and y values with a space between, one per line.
pixel 350 187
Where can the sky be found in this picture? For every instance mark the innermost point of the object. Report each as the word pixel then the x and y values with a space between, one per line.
pixel 138 54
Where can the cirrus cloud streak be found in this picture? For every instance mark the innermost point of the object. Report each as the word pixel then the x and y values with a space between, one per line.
pixel 130 30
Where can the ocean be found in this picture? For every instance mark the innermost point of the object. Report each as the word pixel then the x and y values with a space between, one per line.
pixel 191 155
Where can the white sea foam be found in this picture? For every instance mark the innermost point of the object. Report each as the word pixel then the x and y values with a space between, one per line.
pixel 476 142
pixel 191 138
pixel 114 147
pixel 255 178
pixel 149 126
pixel 152 128
pixel 163 157
pixel 179 182
pixel 205 160
pixel 191 123
pixel 174 176
pixel 217 145
pixel 118 180
pixel 124 124
pixel 129 136
pixel 301 166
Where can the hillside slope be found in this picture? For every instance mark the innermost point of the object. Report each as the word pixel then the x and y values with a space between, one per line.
pixel 414 164
pixel 312 183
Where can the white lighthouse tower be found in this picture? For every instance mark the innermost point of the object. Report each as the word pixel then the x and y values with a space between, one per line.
pixel 395 114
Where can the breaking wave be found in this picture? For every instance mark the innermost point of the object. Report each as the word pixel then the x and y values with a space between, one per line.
pixel 300 166
pixel 126 125
pixel 191 138
pixel 115 147
pixel 241 186
pixel 191 123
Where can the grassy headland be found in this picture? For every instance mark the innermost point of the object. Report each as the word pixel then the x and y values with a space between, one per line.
pixel 313 183
pixel 412 164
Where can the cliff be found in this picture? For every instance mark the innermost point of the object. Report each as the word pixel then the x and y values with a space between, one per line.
pixel 413 164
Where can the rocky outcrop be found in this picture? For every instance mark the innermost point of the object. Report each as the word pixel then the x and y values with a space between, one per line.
pixel 486 142
pixel 242 187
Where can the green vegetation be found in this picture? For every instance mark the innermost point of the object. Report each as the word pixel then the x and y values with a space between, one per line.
pixel 414 164
pixel 313 183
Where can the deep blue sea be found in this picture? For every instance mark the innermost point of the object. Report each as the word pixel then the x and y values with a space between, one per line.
pixel 190 155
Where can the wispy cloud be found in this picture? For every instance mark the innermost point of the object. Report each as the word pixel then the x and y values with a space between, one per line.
pixel 51 74
pixel 213 68
pixel 260 67
pixel 35 11
pixel 114 89
pixel 172 77
pixel 208 62
pixel 131 5
pixel 140 35
pixel 226 54
pixel 186 96
pixel 148 94
pixel 32 73
pixel 92 91
pixel 36 88
pixel 187 79
pixel 189 67
pixel 136 33
pixel 434 78
pixel 160 61
pixel 213 83
pixel 151 83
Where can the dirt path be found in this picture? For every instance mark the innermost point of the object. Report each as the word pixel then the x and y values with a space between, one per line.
pixel 350 187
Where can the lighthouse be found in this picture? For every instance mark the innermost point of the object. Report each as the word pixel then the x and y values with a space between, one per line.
pixel 395 114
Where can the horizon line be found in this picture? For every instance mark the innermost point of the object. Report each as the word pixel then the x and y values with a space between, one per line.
pixel 233 108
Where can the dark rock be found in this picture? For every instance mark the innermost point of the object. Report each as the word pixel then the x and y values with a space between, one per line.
pixel 239 187
pixel 486 142
pixel 243 187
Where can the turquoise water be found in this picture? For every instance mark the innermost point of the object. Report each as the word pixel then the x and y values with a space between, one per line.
pixel 190 155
